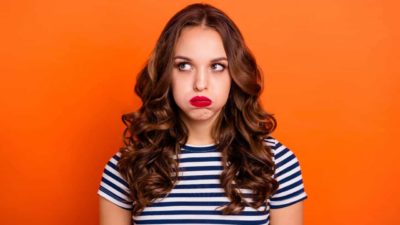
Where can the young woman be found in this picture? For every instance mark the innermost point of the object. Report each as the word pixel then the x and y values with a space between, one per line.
pixel 199 149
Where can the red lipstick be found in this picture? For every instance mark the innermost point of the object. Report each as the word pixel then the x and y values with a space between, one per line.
pixel 200 101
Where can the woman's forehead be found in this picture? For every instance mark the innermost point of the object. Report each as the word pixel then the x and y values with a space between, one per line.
pixel 199 43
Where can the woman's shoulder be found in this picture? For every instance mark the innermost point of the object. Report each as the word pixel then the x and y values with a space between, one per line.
pixel 113 161
pixel 270 141
pixel 279 150
pixel 113 186
pixel 273 143
pixel 288 174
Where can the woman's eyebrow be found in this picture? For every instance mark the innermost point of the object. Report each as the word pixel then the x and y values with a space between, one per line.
pixel 189 59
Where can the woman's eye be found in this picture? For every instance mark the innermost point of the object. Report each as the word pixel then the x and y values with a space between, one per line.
pixel 183 67
pixel 218 67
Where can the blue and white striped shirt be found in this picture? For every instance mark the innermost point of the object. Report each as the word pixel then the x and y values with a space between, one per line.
pixel 198 192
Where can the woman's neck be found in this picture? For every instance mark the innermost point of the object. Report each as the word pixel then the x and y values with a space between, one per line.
pixel 199 132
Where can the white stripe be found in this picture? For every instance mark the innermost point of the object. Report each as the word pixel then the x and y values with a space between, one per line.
pixel 289 182
pixel 287 174
pixel 190 224
pixel 201 223
pixel 114 161
pixel 192 199
pixel 279 149
pixel 209 217
pixel 288 192
pixel 196 164
pixel 166 223
pixel 283 157
pixel 197 208
pixel 286 165
pixel 287 201
pixel 198 146
pixel 246 191
pixel 203 190
pixel 271 139
pixel 270 142
pixel 210 181
pixel 206 190
pixel 200 155
pixel 196 199
pixel 198 173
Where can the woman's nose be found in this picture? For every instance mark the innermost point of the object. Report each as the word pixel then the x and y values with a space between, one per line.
pixel 200 82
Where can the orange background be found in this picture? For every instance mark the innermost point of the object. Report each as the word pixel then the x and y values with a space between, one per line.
pixel 67 75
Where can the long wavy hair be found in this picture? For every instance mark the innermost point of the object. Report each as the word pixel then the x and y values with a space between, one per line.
pixel 154 134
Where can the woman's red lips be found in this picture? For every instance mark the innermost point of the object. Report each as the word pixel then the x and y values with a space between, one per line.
pixel 200 101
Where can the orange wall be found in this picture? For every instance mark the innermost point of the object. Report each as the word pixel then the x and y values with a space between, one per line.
pixel 67 75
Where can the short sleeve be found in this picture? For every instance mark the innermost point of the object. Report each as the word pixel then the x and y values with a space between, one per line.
pixel 113 186
pixel 288 174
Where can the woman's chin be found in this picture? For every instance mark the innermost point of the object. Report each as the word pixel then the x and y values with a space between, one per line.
pixel 201 115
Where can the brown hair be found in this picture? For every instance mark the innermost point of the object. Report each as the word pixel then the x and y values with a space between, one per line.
pixel 155 134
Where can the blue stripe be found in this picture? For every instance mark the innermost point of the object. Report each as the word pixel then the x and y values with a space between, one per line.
pixel 201 221
pixel 201 168
pixel 199 177
pixel 269 140
pixel 112 195
pixel 285 205
pixel 197 212
pixel 195 195
pixel 283 162
pixel 289 195
pixel 122 181
pixel 277 145
pixel 189 186
pixel 198 149
pixel 114 186
pixel 296 164
pixel 116 157
pixel 291 177
pixel 112 165
pixel 199 194
pixel 281 153
pixel 183 203
pixel 200 159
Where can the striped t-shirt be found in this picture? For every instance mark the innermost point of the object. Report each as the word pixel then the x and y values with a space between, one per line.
pixel 198 192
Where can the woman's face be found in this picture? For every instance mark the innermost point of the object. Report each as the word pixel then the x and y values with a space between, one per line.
pixel 200 77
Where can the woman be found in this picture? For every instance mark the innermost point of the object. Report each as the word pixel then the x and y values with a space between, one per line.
pixel 199 149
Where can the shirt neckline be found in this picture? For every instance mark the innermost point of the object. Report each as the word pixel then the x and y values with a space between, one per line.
pixel 199 148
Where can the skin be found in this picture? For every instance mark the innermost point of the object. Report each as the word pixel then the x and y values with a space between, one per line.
pixel 111 214
pixel 199 70
pixel 290 215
